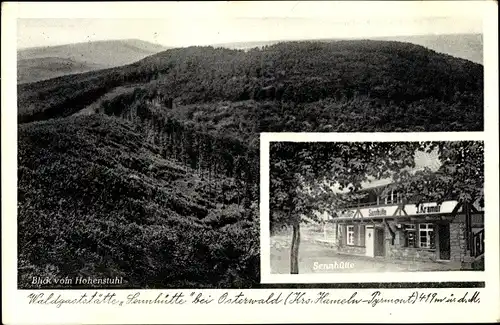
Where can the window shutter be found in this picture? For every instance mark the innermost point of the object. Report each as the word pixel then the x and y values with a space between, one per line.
pixel 357 233
pixel 361 235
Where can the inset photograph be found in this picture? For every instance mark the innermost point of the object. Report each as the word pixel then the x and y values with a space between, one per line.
pixel 370 207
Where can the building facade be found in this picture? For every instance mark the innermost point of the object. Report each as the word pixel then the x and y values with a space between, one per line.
pixel 382 225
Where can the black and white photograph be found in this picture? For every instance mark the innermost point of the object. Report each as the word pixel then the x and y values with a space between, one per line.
pixel 133 162
pixel 138 158
pixel 376 206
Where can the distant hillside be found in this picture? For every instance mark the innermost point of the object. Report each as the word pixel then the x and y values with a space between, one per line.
pixel 41 63
pixel 464 46
pixel 49 67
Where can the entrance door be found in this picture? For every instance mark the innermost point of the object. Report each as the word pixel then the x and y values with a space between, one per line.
pixel 369 241
pixel 444 241
pixel 379 242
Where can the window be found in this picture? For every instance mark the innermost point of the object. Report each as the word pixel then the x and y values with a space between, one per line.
pixel 426 235
pixel 419 236
pixel 350 235
pixel 355 235
pixel 393 197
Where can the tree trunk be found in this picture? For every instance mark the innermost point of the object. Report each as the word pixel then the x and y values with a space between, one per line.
pixel 294 251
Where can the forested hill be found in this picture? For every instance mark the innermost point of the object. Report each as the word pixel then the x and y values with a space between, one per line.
pixel 336 86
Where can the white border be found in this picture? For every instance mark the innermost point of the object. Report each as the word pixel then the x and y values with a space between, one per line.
pixel 359 277
pixel 15 308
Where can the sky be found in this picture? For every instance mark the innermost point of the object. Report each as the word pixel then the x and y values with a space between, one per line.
pixel 183 24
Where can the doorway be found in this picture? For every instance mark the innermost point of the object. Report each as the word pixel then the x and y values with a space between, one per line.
pixel 444 241
pixel 369 241
pixel 379 242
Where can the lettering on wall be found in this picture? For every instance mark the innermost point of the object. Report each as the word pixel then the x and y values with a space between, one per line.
pixel 377 212
pixel 422 209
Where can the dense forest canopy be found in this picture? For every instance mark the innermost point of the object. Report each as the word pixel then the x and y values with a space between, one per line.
pixel 96 199
pixel 369 84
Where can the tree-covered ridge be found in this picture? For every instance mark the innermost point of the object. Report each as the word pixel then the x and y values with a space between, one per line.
pixel 390 82
pixel 309 71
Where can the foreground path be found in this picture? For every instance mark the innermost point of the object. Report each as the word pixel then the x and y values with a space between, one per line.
pixel 316 258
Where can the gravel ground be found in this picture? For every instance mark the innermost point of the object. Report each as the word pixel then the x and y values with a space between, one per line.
pixel 316 258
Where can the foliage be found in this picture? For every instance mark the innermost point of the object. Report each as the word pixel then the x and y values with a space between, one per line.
pixel 95 199
pixel 460 177
pixel 349 85
pixel 319 176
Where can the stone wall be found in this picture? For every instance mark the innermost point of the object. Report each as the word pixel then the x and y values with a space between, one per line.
pixel 411 253
pixel 457 246
pixel 399 251
pixel 457 241
pixel 352 250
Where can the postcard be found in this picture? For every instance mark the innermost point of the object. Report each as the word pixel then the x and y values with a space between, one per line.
pixel 250 162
